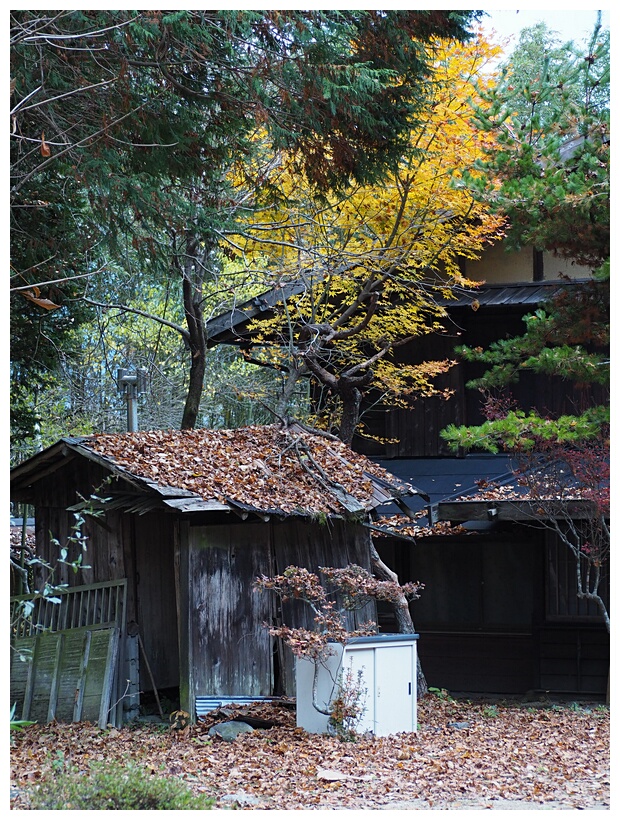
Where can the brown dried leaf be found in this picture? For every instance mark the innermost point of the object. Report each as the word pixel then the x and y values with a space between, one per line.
pixel 45 149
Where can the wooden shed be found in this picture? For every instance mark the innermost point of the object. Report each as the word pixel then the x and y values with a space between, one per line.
pixel 188 520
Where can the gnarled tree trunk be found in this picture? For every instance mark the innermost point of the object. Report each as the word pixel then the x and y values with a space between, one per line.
pixel 404 620
pixel 192 267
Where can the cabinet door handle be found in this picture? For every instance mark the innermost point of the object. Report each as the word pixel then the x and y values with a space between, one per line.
pixel 409 687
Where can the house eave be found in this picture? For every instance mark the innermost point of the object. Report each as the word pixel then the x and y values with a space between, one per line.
pixel 521 511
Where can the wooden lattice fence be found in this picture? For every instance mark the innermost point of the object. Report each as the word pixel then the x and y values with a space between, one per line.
pixel 65 654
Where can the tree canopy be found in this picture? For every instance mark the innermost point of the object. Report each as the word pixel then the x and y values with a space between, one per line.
pixel 125 125
pixel 550 110
pixel 376 260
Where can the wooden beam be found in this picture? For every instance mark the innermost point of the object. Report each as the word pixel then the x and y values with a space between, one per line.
pixel 460 511
pixel 55 684
pixel 109 678
pixel 182 577
pixel 81 681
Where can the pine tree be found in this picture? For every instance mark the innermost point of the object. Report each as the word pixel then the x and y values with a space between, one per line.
pixel 551 177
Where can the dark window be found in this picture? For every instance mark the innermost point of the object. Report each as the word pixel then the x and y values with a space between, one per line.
pixel 538 267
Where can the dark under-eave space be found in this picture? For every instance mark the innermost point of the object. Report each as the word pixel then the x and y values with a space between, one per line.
pixel 441 478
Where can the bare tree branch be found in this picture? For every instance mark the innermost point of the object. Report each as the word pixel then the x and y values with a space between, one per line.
pixel 126 309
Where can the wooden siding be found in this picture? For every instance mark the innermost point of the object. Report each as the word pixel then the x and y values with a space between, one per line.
pixel 562 603
pixel 105 556
pixel 555 659
pixel 488 616
pixel 574 659
pixel 228 649
pixel 489 583
pixel 182 560
pixel 414 431
pixel 119 545
pixel 156 615
pixel 477 612
pixel 314 545
pixel 399 432
pixel 502 663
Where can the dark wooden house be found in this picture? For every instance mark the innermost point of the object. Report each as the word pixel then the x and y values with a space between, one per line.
pixel 186 522
pixel 499 613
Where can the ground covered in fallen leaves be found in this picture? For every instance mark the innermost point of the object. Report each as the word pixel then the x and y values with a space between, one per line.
pixel 467 754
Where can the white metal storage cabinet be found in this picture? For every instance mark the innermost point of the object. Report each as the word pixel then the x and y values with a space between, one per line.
pixel 388 664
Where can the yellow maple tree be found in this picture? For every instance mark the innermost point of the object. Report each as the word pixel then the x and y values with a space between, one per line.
pixel 376 260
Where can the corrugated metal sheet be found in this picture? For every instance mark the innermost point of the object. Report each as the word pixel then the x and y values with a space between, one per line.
pixel 207 703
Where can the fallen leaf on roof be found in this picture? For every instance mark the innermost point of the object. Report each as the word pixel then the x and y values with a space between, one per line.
pixel 266 467
pixel 403 525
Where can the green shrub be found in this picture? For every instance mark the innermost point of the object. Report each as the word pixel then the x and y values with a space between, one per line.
pixel 18 725
pixel 111 786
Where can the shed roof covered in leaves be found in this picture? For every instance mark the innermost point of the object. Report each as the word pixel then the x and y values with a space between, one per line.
pixel 269 469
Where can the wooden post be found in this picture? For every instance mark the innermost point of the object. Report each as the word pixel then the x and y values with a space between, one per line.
pixel 131 667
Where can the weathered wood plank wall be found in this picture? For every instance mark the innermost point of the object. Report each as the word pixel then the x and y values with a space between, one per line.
pixel 229 650
pixel 313 545
pixel 105 557
pixel 156 613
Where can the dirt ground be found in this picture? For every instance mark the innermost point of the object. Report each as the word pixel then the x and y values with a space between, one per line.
pixel 498 805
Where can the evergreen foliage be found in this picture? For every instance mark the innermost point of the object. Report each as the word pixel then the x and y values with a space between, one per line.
pixel 550 110
pixel 551 176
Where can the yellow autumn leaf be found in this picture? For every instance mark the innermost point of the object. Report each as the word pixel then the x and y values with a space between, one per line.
pixel 376 259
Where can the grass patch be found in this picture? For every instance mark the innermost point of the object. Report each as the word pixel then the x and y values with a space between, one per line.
pixel 112 786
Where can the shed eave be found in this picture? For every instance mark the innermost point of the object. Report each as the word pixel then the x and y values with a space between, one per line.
pixel 187 504
pixel 47 461
pixel 339 503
